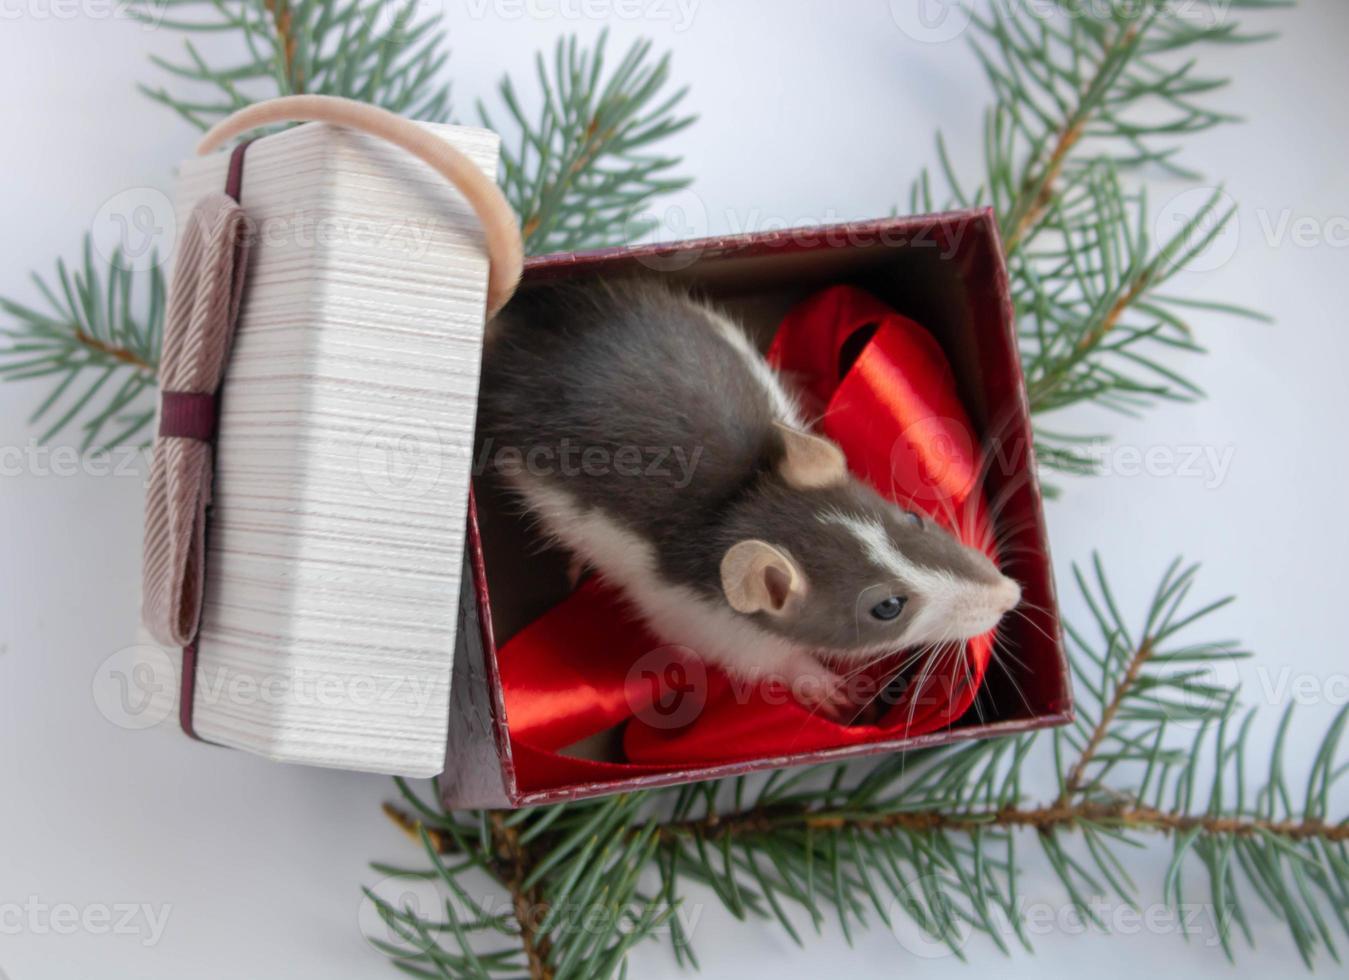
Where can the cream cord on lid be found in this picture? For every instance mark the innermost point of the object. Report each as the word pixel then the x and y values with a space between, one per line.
pixel 505 249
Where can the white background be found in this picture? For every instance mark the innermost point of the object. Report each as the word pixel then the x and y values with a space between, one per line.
pixel 808 112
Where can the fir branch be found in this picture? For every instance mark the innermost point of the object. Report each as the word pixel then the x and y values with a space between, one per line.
pixel 1081 99
pixel 934 835
pixel 561 926
pixel 583 173
pixel 517 863
pixel 377 51
pixel 1044 819
pixel 96 342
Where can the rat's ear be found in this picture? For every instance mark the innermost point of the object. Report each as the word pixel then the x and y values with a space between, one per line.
pixel 810 461
pixel 759 577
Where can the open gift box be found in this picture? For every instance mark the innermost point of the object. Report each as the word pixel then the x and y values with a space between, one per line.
pixel 342 512
pixel 944 272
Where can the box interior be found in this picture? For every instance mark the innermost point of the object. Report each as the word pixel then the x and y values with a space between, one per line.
pixel 947 277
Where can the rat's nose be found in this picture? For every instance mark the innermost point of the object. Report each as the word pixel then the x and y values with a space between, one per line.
pixel 1008 594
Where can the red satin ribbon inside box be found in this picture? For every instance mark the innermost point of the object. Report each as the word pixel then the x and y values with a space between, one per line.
pixel 564 693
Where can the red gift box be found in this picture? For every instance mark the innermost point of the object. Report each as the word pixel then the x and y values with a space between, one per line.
pixel 944 272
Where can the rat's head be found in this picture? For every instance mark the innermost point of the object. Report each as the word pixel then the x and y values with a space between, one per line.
pixel 822 560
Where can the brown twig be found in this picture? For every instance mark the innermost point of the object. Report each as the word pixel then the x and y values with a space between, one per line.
pixel 1072 784
pixel 1044 196
pixel 413 828
pixel 593 146
pixel 514 864
pixel 1127 299
pixel 120 354
pixel 1042 819
pixel 1039 191
pixel 283 21
pixel 1042 387
pixel 511 864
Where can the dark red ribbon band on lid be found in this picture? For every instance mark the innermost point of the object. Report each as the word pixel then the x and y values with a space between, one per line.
pixel 187 415
pixel 886 394
pixel 194 416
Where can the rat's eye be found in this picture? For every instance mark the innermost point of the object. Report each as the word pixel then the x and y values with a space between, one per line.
pixel 915 518
pixel 888 609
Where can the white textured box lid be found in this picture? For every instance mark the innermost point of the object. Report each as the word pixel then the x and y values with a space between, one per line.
pixel 336 536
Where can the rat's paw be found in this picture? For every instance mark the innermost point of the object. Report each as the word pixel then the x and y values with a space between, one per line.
pixel 821 690
pixel 577 569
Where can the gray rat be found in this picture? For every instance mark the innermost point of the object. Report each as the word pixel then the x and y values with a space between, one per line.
pixel 642 430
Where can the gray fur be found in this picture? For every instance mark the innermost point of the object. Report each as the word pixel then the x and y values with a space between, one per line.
pixel 637 368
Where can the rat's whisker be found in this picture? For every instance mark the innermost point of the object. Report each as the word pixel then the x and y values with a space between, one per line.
pixel 1007 538
pixel 813 423
pixel 1006 493
pixel 961 668
pixel 1008 535
pixel 1002 644
pixel 1036 626
pixel 1016 687
pixel 1007 553
pixel 916 690
pixel 1007 530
